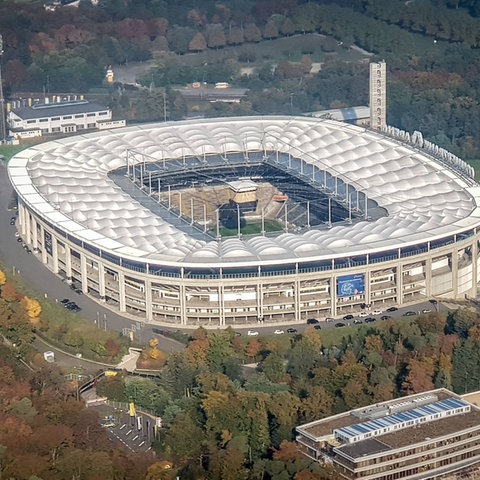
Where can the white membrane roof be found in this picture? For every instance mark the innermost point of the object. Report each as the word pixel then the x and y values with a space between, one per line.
pixel 66 182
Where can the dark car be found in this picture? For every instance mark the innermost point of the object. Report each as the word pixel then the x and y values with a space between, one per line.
pixel 292 330
pixel 385 317
pixel 392 309
pixel 339 325
pixel 369 320
pixel 317 327
pixel 409 314
pixel 348 317
pixel 312 321
pixel 65 301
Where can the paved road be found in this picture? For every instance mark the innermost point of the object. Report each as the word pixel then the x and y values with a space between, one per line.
pixel 49 285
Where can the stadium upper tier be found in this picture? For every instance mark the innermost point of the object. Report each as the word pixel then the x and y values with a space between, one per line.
pixel 66 182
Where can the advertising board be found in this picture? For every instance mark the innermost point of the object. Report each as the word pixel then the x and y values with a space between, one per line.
pixel 350 285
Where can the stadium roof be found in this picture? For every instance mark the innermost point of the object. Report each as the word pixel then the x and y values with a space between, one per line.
pixel 67 181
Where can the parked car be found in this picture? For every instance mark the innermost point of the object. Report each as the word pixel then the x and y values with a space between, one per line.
pixel 369 320
pixel 409 314
pixel 317 327
pixel 357 321
pixel 377 312
pixel 65 301
pixel 426 310
pixel 252 333
pixel 339 325
pixel 312 321
pixel 292 330
pixel 392 309
pixel 363 314
pixel 278 332
pixel 385 317
pixel 329 319
pixel 348 317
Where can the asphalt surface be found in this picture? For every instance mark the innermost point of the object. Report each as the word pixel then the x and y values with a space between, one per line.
pixel 49 285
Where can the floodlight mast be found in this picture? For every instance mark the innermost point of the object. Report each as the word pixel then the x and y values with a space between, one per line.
pixel 3 132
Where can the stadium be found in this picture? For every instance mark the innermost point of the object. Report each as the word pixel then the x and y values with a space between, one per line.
pixel 237 221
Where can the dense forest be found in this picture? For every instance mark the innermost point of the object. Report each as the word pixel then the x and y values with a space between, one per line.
pixel 431 47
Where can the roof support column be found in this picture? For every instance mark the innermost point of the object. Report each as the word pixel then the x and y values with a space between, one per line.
pixel 296 293
pixel 34 234
pixel 21 218
pixel 121 291
pixel 455 273
pixel 44 248
pixel 148 301
pixel 399 283
pixel 28 226
pixel 474 252
pixel 183 303
pixel 221 300
pixel 83 273
pixel 101 280
pixel 333 296
pixel 428 275
pixel 54 254
pixel 68 262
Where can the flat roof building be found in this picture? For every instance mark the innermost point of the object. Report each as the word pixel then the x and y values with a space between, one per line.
pixel 428 435
pixel 28 118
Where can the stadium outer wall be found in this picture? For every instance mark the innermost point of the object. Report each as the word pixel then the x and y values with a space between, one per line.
pixel 283 293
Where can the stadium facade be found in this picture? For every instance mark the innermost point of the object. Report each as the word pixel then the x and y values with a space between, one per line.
pixel 134 218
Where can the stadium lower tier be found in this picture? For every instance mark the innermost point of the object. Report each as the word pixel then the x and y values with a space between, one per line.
pixel 223 296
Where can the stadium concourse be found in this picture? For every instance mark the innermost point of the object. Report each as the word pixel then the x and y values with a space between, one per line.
pixel 237 221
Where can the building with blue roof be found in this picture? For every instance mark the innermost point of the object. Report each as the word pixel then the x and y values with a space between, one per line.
pixel 430 435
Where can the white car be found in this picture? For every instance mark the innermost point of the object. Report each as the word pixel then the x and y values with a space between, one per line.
pixel 377 312
pixel 363 314
pixel 252 333
pixel 278 332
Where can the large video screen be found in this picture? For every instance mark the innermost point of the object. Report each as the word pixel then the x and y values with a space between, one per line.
pixel 350 285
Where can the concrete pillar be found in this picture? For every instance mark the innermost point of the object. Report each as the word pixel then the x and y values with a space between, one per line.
pixel 83 273
pixel 68 262
pixel 44 250
pixel 368 291
pixel 28 229
pixel 473 291
pixel 183 304
pixel 399 283
pixel 54 255
pixel 296 293
pixel 101 281
pixel 148 301
pixel 455 273
pixel 121 292
pixel 428 276
pixel 260 301
pixel 333 296
pixel 34 234
pixel 21 218
pixel 221 301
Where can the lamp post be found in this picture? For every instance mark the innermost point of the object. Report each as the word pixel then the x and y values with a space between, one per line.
pixel 105 321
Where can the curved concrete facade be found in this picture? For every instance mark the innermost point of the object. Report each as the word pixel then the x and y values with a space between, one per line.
pixel 415 234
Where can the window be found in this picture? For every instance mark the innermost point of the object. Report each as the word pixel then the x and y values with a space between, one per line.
pixel 31 121
pixel 79 116
pixel 54 119
pixel 91 125
pixel 68 117
pixel 55 129
pixel 101 114
pixel 90 114
pixel 43 120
